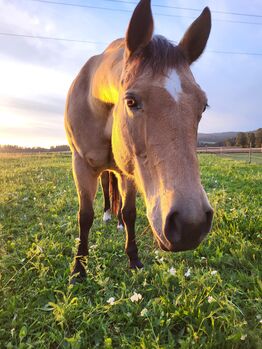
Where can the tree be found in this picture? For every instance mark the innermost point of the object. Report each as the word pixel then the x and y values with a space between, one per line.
pixel 229 142
pixel 251 139
pixel 241 139
pixel 258 136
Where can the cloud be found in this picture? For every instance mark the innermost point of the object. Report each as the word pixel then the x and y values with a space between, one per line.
pixel 46 105
pixel 25 80
pixel 33 136
pixel 43 20
pixel 16 19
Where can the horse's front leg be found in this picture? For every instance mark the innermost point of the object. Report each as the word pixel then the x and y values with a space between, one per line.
pixel 86 183
pixel 128 193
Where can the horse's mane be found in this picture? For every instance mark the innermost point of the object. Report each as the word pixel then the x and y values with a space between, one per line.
pixel 159 55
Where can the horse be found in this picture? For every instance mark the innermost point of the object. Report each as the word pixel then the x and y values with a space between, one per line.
pixel 134 110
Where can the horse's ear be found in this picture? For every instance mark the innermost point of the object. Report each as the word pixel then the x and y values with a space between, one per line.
pixel 195 38
pixel 140 29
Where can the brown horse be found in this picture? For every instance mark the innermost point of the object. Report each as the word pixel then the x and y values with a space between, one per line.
pixel 134 110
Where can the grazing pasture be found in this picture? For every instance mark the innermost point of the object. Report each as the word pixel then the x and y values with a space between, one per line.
pixel 256 158
pixel 207 298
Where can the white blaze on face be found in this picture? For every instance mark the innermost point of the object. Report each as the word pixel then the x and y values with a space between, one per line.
pixel 173 84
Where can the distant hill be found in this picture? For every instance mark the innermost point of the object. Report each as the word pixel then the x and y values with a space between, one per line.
pixel 212 138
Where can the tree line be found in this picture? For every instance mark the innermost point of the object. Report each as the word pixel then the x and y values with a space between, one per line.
pixel 17 149
pixel 246 139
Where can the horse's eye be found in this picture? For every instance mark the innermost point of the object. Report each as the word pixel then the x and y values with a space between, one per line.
pixel 131 103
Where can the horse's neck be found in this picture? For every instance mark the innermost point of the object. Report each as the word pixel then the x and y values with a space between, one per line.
pixel 106 78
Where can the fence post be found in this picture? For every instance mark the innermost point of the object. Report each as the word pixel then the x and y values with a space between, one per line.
pixel 250 151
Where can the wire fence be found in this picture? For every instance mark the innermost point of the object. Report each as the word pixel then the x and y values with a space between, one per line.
pixel 249 155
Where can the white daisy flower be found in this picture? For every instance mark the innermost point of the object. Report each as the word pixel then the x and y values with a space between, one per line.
pixel 144 312
pixel 187 273
pixel 136 297
pixel 210 299
pixel 213 272
pixel 172 271
pixel 93 247
pixel 111 300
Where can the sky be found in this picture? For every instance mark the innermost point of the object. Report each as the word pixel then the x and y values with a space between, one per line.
pixel 35 74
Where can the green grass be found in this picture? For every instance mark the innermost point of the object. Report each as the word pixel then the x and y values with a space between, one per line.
pixel 256 158
pixel 38 231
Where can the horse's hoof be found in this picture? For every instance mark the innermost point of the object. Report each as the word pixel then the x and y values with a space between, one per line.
pixel 136 264
pixel 120 227
pixel 76 279
pixel 107 216
pixel 78 274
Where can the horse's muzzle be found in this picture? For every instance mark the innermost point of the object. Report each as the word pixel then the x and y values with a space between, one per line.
pixel 181 234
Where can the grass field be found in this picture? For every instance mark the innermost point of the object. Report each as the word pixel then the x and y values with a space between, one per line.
pixel 256 158
pixel 207 298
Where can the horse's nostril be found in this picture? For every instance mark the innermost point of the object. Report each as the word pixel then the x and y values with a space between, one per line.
pixel 171 231
pixel 172 217
pixel 209 216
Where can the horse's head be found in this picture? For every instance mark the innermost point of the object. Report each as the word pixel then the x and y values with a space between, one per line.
pixel 155 128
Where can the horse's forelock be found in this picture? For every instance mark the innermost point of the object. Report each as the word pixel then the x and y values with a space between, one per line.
pixel 159 56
